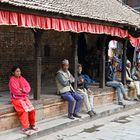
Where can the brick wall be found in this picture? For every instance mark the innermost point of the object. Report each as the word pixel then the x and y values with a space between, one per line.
pixel 56 46
pixel 17 48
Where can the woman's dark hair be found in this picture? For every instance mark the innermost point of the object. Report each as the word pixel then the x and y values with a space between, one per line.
pixel 14 69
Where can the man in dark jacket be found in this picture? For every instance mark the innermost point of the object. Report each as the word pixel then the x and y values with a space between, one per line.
pixel 112 82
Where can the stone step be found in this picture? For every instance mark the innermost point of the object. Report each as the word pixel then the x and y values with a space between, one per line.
pixel 50 106
pixel 48 126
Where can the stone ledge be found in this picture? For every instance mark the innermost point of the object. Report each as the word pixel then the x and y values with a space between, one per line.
pixel 59 123
pixel 48 107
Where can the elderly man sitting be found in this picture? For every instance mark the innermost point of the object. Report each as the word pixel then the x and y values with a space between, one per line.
pixel 64 79
pixel 136 76
pixel 131 83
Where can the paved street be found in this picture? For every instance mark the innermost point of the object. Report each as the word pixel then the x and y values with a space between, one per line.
pixel 113 127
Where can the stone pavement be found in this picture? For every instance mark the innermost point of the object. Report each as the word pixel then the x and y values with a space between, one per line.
pixel 48 126
pixel 121 126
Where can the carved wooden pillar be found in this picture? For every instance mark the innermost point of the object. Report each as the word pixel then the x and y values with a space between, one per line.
pixel 124 59
pixel 37 64
pixel 102 63
pixel 74 37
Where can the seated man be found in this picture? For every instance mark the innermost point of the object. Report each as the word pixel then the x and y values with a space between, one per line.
pixel 131 83
pixel 85 92
pixel 64 79
pixel 136 75
pixel 112 82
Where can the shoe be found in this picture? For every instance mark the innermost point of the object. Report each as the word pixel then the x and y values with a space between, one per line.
pixel 90 113
pixel 122 104
pixel 34 128
pixel 138 96
pixel 136 99
pixel 128 99
pixel 70 116
pixel 76 116
pixel 94 112
pixel 26 132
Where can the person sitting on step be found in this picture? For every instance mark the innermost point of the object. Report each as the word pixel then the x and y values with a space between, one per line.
pixel 132 84
pixel 19 93
pixel 136 76
pixel 112 82
pixel 64 79
pixel 85 92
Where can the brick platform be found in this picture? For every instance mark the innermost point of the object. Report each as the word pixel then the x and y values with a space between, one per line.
pixel 50 106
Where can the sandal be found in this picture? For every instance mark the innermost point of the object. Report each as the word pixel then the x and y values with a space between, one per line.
pixel 34 128
pixel 26 132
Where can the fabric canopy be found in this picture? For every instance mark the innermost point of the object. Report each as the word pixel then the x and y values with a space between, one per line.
pixel 42 22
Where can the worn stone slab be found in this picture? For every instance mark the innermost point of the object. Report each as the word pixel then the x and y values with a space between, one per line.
pixel 49 126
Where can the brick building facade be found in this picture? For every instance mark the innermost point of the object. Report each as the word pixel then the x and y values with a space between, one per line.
pixel 17 48
pixel 133 3
pixel 23 46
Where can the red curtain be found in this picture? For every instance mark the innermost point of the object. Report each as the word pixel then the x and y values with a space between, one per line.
pixel 34 21
pixel 4 18
pixel 134 41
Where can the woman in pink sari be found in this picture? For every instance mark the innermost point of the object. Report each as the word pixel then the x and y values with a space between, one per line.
pixel 19 93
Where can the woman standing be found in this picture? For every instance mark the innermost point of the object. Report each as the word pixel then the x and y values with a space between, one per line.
pixel 19 93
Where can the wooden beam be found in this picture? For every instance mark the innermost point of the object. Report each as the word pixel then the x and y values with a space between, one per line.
pixel 74 37
pixel 102 63
pixel 37 64
pixel 124 59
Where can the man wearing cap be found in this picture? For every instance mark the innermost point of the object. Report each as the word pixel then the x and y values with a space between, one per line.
pixel 131 83
pixel 112 82
pixel 64 79
pixel 136 75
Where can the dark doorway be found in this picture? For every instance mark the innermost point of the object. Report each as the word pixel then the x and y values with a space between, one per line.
pixel 89 56
pixel 83 53
pixel 130 52
pixel 82 48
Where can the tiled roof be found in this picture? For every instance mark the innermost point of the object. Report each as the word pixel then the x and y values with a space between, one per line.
pixel 105 10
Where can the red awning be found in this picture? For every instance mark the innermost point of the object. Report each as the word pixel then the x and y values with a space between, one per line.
pixel 34 21
pixel 134 41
